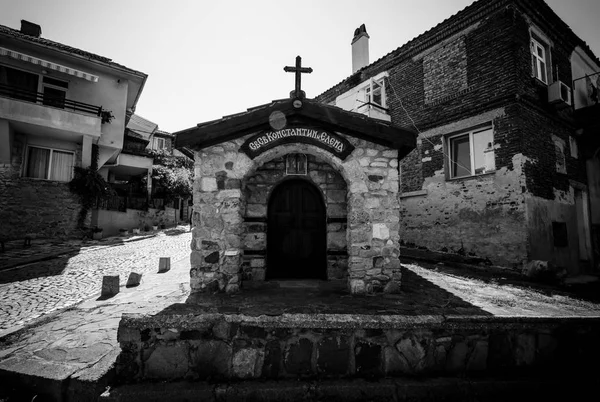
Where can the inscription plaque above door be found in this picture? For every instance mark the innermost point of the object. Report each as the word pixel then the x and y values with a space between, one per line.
pixel 331 142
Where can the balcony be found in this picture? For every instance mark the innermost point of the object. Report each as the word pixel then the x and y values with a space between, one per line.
pixel 39 109
pixel 374 111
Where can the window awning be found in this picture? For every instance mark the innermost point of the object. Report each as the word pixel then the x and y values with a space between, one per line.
pixel 48 64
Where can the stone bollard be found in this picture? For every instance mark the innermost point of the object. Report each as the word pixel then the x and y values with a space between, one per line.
pixel 164 264
pixel 110 285
pixel 134 279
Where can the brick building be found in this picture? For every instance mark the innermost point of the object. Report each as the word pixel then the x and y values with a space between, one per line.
pixel 507 164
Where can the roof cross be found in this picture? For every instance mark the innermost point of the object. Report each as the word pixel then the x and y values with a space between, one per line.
pixel 298 69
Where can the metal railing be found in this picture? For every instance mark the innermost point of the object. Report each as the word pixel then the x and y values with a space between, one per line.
pixel 589 86
pixel 48 100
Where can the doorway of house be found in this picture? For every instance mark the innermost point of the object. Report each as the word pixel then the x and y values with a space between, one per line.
pixel 296 232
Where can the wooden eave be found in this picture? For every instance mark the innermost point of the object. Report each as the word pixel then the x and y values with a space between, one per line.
pixel 311 113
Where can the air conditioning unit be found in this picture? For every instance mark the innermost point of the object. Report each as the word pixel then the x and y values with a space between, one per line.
pixel 559 92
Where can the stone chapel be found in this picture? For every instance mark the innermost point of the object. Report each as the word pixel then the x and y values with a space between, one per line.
pixel 296 189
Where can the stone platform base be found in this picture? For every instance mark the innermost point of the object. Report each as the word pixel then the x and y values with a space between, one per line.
pixel 438 389
pixel 185 343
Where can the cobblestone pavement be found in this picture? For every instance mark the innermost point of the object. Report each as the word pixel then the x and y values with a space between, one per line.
pixel 30 291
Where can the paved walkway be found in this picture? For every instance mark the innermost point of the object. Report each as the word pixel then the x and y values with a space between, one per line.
pixel 78 346
pixel 71 272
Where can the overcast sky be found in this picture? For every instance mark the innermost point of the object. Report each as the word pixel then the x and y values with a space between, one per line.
pixel 207 59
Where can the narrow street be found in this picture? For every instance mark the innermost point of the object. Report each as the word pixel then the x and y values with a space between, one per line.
pixel 29 291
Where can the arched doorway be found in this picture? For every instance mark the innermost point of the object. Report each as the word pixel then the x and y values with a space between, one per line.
pixel 296 232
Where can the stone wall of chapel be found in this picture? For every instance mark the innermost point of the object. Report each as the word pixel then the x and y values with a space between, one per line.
pixel 259 186
pixel 372 232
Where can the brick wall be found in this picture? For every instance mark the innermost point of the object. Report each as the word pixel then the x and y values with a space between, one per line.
pixel 474 68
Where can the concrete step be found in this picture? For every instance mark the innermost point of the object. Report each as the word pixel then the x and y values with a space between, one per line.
pixel 349 390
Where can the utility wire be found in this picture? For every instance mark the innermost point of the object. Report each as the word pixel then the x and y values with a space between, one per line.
pixel 468 169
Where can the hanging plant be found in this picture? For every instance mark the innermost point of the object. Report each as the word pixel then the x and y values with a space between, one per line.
pixel 106 116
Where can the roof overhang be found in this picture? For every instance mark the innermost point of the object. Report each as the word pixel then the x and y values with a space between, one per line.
pixel 310 112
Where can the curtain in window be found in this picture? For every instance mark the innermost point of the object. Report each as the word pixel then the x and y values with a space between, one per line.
pixel 37 163
pixel 62 166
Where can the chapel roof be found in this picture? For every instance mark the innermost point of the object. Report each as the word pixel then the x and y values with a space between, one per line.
pixel 310 113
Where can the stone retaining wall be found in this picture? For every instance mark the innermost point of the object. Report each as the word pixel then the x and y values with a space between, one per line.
pixel 222 346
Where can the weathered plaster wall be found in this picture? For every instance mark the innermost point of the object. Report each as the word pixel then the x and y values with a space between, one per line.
pixel 481 215
pixel 112 221
pixel 371 176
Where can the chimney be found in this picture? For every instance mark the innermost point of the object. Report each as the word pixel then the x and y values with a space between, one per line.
pixel 360 49
pixel 30 29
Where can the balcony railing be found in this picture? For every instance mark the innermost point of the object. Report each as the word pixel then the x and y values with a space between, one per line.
pixel 45 99
pixel 122 203
pixel 135 148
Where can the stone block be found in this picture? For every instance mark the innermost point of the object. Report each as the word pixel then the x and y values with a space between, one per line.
pixel 164 264
pixel 208 184
pixel 413 352
pixel 134 279
pixel 392 287
pixel 212 258
pixel 381 231
pixel 357 286
pixel 248 363
pixel 167 362
pixel 258 274
pixel 298 357
pixel 255 241
pixel 393 363
pixel 336 196
pixel 478 359
pixel 524 349
pixel 210 358
pixel 272 360
pixel 367 358
pixel 333 356
pixel 336 240
pixel 457 357
pixel 110 285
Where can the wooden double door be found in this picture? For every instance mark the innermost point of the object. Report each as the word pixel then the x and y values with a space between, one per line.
pixel 296 232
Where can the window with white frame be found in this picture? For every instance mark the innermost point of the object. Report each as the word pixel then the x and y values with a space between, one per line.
pixel 49 164
pixel 471 153
pixel 539 60
pixel 374 93
pixel 161 143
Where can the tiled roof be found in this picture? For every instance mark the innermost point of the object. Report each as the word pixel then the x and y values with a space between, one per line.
pixel 164 133
pixel 449 26
pixel 4 30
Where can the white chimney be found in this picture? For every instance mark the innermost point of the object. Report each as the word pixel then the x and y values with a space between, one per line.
pixel 360 48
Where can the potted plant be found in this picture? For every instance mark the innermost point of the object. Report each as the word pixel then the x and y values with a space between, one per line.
pixel 155 226
pixel 96 233
pixel 124 232
pixel 135 231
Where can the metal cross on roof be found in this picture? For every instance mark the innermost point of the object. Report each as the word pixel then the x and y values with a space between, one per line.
pixel 298 69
